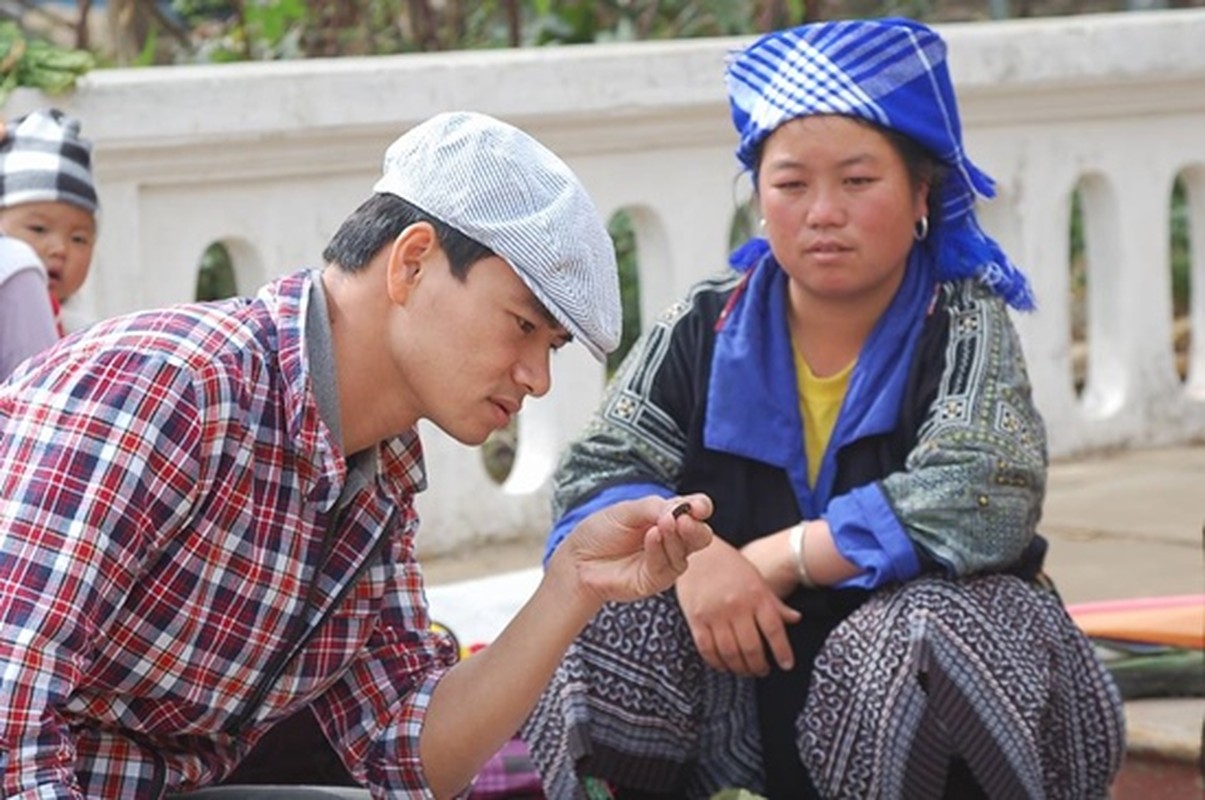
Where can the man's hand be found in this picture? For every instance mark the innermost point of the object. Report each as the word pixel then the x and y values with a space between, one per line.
pixel 625 552
pixel 733 613
pixel 636 548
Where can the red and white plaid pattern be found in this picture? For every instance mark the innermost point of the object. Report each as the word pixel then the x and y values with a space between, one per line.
pixel 166 485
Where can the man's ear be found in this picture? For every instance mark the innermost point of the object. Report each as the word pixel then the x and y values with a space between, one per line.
pixel 409 256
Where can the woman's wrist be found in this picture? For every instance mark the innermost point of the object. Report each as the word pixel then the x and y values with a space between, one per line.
pixel 797 538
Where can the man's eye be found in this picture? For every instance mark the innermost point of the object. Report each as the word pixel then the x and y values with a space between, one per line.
pixel 526 326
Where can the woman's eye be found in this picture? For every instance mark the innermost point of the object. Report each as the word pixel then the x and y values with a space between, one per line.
pixel 526 326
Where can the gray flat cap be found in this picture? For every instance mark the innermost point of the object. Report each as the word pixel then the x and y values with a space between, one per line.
pixel 498 185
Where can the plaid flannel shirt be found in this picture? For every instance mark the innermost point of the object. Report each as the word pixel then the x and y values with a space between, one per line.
pixel 170 532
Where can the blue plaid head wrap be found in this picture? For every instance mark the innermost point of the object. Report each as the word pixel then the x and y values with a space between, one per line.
pixel 893 73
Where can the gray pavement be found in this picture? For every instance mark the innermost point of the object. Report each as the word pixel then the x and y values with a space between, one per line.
pixel 1127 524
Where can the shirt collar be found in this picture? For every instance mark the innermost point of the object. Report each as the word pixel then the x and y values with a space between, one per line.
pixel 323 470
pixel 752 401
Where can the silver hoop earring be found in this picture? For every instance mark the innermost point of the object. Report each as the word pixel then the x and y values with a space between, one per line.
pixel 921 231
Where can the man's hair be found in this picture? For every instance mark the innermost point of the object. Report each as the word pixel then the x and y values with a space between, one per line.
pixel 380 219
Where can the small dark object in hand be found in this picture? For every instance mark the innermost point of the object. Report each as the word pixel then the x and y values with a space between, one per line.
pixel 680 509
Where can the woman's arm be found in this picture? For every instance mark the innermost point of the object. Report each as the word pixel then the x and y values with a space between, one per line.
pixel 970 494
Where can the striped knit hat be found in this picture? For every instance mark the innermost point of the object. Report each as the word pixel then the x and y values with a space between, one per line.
pixel 499 186
pixel 893 73
pixel 43 158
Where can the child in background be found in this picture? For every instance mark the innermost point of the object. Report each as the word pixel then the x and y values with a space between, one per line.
pixel 26 317
pixel 48 199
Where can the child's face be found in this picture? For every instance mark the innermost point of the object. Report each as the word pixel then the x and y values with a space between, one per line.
pixel 63 236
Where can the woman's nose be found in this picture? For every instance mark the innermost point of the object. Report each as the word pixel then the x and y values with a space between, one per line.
pixel 826 209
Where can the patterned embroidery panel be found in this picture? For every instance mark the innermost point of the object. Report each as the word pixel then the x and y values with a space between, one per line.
pixel 634 437
pixel 972 491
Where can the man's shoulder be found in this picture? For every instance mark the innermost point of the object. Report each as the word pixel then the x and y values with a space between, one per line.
pixel 190 330
pixel 212 345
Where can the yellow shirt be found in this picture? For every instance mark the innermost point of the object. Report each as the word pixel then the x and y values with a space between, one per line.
pixel 819 403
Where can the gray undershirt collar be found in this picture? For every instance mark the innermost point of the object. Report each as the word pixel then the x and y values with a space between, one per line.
pixel 319 348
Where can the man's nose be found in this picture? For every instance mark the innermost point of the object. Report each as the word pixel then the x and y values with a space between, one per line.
pixel 534 372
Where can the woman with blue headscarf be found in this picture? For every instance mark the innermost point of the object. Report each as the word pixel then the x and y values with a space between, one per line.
pixel 871 620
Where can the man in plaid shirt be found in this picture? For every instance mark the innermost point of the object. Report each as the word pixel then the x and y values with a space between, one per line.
pixel 206 512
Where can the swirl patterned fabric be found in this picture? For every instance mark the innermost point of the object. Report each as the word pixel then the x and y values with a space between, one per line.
pixel 633 702
pixel 992 670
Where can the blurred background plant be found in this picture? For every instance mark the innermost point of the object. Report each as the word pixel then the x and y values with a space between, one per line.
pixel 132 32
pixel 34 62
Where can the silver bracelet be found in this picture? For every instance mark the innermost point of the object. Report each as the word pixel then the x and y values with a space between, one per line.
pixel 796 539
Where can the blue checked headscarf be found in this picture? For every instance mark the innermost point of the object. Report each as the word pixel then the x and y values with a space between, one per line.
pixel 891 72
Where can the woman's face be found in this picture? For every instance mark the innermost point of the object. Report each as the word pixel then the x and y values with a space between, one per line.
pixel 839 207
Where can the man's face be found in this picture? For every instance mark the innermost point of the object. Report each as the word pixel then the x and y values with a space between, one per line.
pixel 473 350
pixel 61 234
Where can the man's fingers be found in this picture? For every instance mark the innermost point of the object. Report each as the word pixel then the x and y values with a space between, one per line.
pixel 676 551
pixel 681 529
pixel 697 506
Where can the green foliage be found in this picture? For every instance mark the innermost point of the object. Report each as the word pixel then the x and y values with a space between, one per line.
pixel 33 62
pixel 215 275
pixel 261 29
pixel 146 56
pixel 624 237
pixel 195 11
pixel 255 30
pixel 1180 246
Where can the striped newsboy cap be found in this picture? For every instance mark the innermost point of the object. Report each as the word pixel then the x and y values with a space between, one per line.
pixel 499 186
pixel 44 159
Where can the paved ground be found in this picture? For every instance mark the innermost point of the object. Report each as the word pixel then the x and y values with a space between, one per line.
pixel 1128 525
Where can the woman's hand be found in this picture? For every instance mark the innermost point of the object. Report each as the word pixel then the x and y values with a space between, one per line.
pixel 733 613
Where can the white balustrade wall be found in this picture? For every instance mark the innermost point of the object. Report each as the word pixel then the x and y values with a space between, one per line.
pixel 269 158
